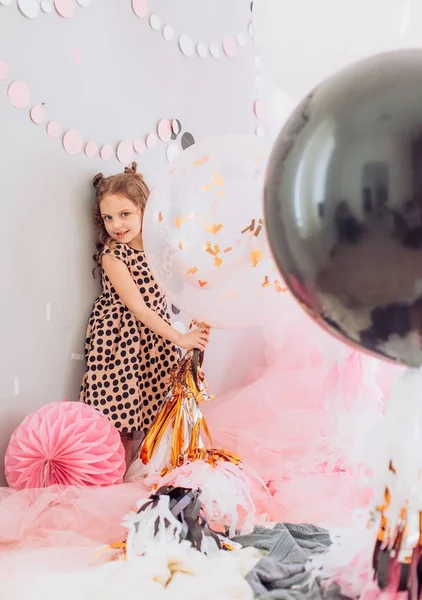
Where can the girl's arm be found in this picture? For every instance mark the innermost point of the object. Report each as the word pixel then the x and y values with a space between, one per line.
pixel 129 294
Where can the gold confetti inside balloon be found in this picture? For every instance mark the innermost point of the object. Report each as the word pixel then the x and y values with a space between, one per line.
pixel 204 234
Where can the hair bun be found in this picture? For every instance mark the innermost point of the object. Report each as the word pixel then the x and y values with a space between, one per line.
pixel 132 170
pixel 97 180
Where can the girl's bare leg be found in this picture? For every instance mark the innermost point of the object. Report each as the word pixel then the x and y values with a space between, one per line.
pixel 127 441
pixel 137 442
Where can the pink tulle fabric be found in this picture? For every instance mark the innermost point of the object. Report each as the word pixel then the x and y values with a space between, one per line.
pixel 66 443
pixel 304 422
pixel 62 528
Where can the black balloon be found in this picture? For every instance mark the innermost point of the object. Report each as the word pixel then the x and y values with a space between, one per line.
pixel 343 205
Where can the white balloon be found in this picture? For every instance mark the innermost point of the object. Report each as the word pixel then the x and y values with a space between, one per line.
pixel 302 42
pixel 204 237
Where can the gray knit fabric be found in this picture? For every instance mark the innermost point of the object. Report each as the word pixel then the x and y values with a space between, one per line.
pixel 281 574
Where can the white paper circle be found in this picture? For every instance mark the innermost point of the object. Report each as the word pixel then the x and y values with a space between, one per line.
pixel 214 50
pixel 186 45
pixel 83 3
pixel 155 22
pixel 29 8
pixel 168 33
pixel 172 151
pixel 179 326
pixel 259 131
pixel 46 7
pixel 202 50
pixel 250 29
pixel 241 39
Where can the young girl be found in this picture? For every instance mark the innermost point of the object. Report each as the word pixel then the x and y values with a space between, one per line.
pixel 130 346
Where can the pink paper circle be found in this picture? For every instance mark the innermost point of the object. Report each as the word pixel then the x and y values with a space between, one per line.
pixel 37 114
pixel 72 142
pixel 139 146
pixel 106 152
pixel 91 149
pixel 18 94
pixel 151 140
pixel 65 8
pixel 258 109
pixel 164 130
pixel 54 129
pixel 124 151
pixel 4 70
pixel 230 47
pixel 140 8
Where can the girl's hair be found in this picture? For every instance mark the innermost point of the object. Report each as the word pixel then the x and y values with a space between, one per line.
pixel 130 184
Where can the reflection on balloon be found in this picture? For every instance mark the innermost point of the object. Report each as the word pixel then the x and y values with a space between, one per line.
pixel 343 205
pixel 204 235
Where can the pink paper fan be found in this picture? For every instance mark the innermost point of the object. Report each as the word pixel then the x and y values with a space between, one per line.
pixel 66 443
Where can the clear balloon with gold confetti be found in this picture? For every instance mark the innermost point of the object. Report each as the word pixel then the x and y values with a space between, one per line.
pixel 205 237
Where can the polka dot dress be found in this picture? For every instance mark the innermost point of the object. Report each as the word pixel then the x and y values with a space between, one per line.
pixel 128 365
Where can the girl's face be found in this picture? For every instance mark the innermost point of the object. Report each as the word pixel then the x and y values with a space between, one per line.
pixel 122 218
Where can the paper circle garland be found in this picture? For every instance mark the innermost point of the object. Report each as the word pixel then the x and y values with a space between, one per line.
pixel 72 142
pixel 65 8
pixel 201 50
pixel 164 130
pixel 18 94
pixel 168 33
pixel 187 46
pixel 29 8
pixel 37 115
pixel 91 149
pixel 65 443
pixel 139 146
pixel 124 151
pixel 54 129
pixel 106 152
pixel 214 50
pixel 229 47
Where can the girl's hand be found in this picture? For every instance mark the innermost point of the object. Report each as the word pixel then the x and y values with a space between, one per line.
pixel 197 339
pixel 199 325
